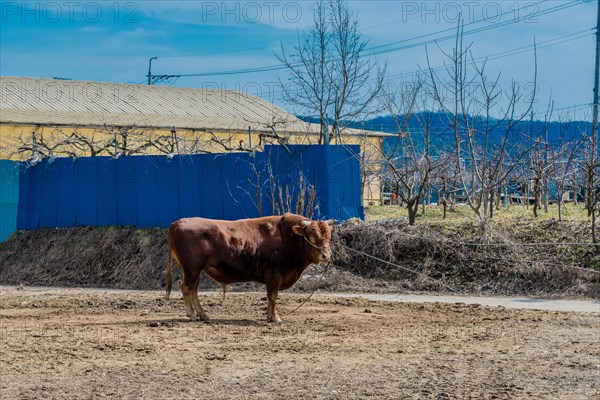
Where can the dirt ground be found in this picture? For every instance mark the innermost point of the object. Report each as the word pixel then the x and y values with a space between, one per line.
pixel 71 343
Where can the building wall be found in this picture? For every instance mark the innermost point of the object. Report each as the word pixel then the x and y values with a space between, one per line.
pixel 66 141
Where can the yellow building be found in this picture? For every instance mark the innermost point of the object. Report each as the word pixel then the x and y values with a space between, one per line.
pixel 49 117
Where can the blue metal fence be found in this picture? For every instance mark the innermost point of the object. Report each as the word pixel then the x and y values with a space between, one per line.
pixel 9 197
pixel 153 191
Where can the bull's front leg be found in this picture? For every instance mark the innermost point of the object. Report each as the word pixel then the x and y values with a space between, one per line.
pixel 272 294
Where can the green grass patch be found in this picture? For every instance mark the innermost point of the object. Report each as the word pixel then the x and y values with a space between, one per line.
pixel 462 213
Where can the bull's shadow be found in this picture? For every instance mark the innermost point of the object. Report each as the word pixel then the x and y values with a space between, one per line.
pixel 233 322
pixel 171 322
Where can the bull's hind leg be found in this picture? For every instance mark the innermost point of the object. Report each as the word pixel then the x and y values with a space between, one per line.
pixel 193 296
pixel 188 300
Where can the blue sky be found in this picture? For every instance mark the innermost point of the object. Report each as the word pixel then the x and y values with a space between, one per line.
pixel 112 41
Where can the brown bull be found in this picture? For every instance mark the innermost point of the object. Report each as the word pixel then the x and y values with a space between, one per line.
pixel 273 250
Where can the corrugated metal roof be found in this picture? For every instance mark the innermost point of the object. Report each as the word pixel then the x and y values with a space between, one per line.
pixel 41 101
pixel 69 102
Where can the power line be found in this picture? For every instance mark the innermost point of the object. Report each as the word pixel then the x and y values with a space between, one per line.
pixel 270 68
pixel 121 72
pixel 502 54
pixel 573 107
pixel 440 282
pixel 364 29
pixel 476 30
pixel 453 29
pixel 515 51
pixel 238 71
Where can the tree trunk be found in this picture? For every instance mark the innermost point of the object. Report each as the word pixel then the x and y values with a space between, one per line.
pixel 413 208
pixel 559 203
pixel 536 197
pixel 546 195
pixel 498 199
pixel 589 188
pixel 492 192
pixel 485 203
pixel 594 236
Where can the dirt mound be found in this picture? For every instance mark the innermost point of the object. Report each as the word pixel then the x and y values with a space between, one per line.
pixel 517 257
pixel 427 257
pixel 119 257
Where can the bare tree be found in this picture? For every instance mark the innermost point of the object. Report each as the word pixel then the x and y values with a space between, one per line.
pixel 563 171
pixel 444 180
pixel 485 119
pixel 58 143
pixel 539 164
pixel 131 140
pixel 299 198
pixel 330 73
pixel 590 165
pixel 408 163
pixel 109 140
pixel 37 145
pixel 539 167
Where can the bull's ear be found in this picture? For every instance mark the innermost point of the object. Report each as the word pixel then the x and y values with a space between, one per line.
pixel 297 229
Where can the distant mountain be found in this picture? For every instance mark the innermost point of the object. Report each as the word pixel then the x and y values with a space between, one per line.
pixel 442 136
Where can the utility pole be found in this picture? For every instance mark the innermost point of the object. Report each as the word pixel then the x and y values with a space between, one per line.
pixel 596 88
pixel 593 167
pixel 116 143
pixel 174 138
pixel 157 78
pixel 150 69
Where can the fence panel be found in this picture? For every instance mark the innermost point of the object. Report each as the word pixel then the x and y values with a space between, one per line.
pixel 211 195
pixel 88 170
pixel 30 197
pixel 67 193
pixel 106 192
pixel 188 181
pixel 344 189
pixel 126 191
pixel 9 198
pixel 50 173
pixel 238 186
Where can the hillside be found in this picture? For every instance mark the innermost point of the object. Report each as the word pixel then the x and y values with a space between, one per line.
pixel 443 136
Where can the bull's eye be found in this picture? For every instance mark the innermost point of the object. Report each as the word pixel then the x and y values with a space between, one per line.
pixel 312 240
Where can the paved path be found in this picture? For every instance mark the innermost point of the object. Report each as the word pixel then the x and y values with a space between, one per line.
pixel 508 302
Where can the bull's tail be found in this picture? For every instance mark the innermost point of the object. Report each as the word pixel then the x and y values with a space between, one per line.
pixel 224 287
pixel 169 271
pixel 169 275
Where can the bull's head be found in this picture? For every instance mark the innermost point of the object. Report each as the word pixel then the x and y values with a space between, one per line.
pixel 317 234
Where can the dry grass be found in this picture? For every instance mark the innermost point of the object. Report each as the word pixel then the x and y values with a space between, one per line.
pixel 458 258
pixel 461 212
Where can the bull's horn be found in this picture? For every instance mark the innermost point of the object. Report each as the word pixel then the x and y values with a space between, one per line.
pixel 331 222
pixel 305 224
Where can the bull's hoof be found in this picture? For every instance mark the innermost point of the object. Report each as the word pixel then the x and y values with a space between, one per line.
pixel 200 319
pixel 274 319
